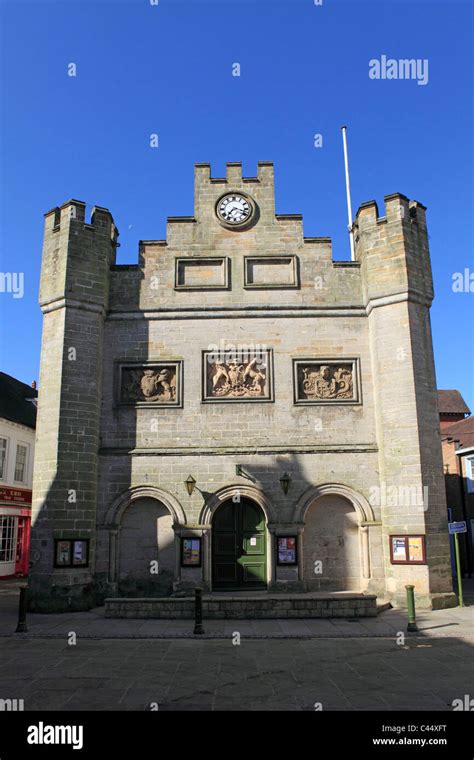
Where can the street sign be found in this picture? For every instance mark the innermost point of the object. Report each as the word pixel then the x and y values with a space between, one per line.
pixel 457 527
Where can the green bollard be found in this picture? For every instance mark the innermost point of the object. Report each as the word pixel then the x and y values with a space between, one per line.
pixel 412 626
pixel 21 627
pixel 198 611
pixel 458 569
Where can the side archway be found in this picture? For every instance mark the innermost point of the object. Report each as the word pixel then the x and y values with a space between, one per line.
pixel 361 505
pixel 143 551
pixel 336 551
pixel 119 505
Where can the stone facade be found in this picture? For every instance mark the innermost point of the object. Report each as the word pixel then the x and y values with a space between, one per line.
pixel 246 358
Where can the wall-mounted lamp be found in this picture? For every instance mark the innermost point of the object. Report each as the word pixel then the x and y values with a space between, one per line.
pixel 285 481
pixel 190 484
pixel 240 472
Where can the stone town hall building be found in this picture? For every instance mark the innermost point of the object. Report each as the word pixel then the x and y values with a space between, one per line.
pixel 237 410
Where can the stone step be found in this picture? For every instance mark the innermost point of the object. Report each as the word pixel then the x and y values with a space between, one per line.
pixel 336 605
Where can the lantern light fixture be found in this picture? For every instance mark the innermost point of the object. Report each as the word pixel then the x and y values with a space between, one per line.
pixel 285 481
pixel 190 484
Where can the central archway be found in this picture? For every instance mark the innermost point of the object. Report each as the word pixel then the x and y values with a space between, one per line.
pixel 239 546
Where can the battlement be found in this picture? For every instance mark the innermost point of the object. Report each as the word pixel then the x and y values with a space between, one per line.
pixel 73 210
pixel 77 255
pixel 265 174
pixel 393 249
pixel 397 208
pixel 208 190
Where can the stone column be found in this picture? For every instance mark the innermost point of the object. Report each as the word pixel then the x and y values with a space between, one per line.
pixel 301 577
pixel 364 540
pixel 113 569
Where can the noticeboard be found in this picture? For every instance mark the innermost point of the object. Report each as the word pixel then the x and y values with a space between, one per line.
pixel 407 550
pixel 286 550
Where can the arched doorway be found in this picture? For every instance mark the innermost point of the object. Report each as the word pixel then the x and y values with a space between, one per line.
pixel 332 546
pixel 239 546
pixel 146 549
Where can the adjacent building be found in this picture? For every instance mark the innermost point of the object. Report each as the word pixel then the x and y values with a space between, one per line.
pixel 457 435
pixel 17 446
pixel 238 410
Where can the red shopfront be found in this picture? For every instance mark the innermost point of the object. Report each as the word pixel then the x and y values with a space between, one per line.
pixel 15 526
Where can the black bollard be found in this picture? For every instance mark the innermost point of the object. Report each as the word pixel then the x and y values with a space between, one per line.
pixel 198 611
pixel 21 627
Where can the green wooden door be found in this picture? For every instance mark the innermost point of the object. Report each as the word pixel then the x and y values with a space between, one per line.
pixel 239 546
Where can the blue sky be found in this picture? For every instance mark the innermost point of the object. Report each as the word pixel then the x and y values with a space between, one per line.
pixel 167 69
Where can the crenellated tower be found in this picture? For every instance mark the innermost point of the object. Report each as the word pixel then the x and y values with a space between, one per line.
pixel 398 291
pixel 74 297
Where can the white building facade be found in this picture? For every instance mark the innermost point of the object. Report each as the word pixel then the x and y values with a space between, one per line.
pixel 17 445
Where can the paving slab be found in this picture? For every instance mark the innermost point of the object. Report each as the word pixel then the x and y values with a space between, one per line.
pixel 347 674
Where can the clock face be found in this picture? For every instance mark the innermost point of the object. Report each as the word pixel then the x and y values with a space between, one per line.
pixel 234 209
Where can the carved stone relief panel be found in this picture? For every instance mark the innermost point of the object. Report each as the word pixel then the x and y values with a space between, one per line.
pixel 321 381
pixel 238 375
pixel 151 384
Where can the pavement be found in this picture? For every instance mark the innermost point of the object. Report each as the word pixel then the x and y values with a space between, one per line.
pixel 270 674
pixel 83 661
pixel 458 622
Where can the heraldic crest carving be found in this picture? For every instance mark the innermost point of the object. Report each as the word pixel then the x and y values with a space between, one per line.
pixel 325 381
pixel 150 384
pixel 234 376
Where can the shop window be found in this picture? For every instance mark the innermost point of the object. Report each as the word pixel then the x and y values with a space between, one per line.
pixel 7 539
pixel 19 540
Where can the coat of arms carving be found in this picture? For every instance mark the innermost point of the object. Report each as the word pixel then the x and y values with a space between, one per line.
pixel 150 384
pixel 237 377
pixel 325 381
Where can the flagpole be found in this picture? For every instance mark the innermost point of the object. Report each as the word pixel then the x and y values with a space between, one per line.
pixel 348 193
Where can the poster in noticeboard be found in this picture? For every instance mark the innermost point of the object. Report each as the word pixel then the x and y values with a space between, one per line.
pixel 415 549
pixel 286 550
pixel 399 552
pixel 191 552
pixel 63 553
pixel 79 556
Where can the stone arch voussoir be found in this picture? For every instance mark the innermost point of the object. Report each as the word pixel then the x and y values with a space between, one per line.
pixel 361 505
pixel 226 493
pixel 119 505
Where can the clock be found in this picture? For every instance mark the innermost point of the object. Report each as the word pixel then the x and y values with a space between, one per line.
pixel 234 209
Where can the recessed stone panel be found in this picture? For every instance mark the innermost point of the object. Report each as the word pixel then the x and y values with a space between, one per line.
pixel 245 375
pixel 270 272
pixel 202 273
pixel 326 381
pixel 150 384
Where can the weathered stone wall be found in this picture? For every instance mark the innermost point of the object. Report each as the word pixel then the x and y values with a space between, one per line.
pixel 243 424
pixel 350 606
pixel 199 291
